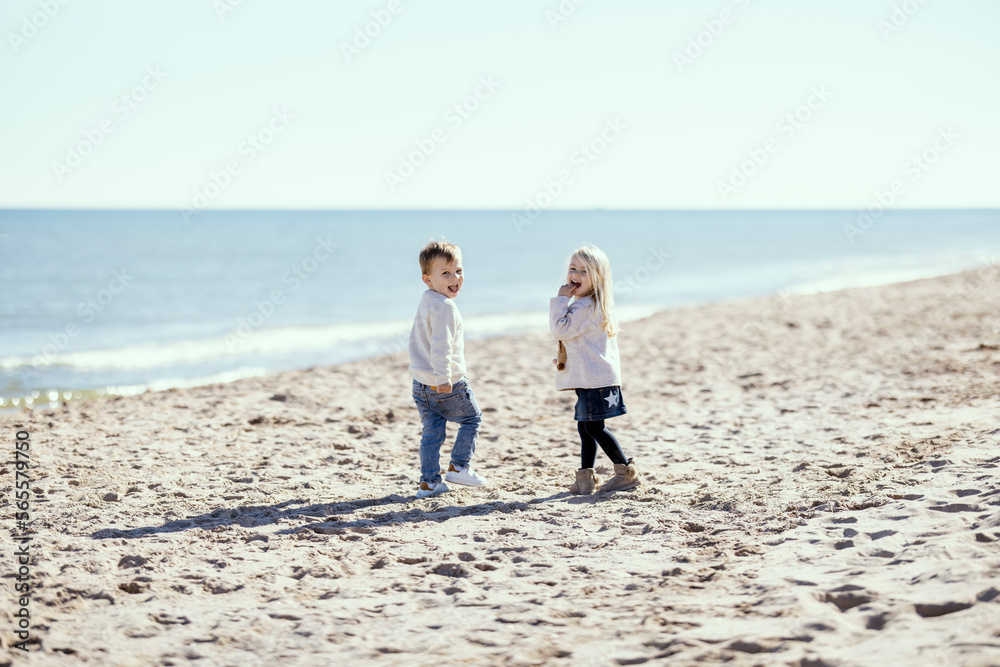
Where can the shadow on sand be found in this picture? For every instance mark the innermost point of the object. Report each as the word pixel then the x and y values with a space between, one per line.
pixel 329 517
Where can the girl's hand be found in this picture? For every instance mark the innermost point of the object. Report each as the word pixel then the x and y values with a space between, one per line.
pixel 567 290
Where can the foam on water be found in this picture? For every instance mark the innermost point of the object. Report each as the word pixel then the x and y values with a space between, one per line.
pixel 53 397
pixel 355 341
pixel 875 276
pixel 194 293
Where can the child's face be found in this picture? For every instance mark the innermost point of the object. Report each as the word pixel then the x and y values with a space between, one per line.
pixel 446 277
pixel 579 278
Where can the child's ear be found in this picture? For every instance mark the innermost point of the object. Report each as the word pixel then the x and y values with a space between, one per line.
pixel 427 280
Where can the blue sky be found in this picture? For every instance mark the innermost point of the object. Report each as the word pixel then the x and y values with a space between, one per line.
pixel 255 104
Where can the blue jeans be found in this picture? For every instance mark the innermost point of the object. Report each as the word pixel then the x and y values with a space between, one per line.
pixel 435 411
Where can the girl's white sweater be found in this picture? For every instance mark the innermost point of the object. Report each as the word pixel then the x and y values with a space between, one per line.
pixel 592 359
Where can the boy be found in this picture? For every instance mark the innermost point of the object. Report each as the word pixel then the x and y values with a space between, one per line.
pixel 437 363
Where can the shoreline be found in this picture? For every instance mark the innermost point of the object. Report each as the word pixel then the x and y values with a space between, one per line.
pixel 14 404
pixel 820 489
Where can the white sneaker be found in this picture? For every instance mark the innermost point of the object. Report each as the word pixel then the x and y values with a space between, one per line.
pixel 425 490
pixel 465 477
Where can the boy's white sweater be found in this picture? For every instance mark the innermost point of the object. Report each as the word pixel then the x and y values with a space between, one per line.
pixel 592 359
pixel 437 341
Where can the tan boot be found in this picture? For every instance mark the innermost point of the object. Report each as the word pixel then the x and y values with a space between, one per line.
pixel 586 482
pixel 626 477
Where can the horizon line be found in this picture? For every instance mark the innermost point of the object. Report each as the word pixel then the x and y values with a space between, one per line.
pixel 487 210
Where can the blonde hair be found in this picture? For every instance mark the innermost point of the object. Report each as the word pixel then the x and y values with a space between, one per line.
pixel 599 269
pixel 448 251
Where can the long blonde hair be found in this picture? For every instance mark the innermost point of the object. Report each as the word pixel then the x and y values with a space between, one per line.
pixel 599 269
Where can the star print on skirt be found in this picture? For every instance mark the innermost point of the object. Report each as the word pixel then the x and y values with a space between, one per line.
pixel 596 404
pixel 612 398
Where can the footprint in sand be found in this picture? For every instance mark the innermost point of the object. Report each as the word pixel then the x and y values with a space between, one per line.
pixel 940 609
pixel 956 507
pixel 452 570
pixel 848 597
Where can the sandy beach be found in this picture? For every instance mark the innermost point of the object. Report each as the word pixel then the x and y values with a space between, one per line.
pixel 820 489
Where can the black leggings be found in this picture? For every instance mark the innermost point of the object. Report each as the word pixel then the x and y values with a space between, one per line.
pixel 593 434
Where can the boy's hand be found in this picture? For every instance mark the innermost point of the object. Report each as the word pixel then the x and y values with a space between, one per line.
pixel 444 388
pixel 566 290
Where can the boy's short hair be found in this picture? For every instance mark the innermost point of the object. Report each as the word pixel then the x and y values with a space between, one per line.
pixel 448 251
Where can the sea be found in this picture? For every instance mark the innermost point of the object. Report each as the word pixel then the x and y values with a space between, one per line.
pixel 120 302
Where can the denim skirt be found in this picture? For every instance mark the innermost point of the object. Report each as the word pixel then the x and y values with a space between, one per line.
pixel 597 404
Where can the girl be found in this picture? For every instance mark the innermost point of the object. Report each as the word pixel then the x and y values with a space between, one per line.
pixel 582 319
